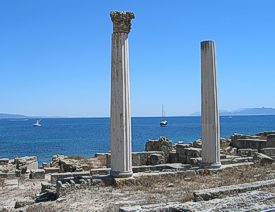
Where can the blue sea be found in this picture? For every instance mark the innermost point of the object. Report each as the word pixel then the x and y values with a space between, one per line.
pixel 87 136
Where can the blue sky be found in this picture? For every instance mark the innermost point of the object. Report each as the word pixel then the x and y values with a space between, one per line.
pixel 55 55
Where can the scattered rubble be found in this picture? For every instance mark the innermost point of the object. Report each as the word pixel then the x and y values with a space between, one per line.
pixel 262 159
pixel 161 160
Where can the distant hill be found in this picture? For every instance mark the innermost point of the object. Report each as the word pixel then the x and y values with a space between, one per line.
pixel 11 116
pixel 253 111
pixel 245 112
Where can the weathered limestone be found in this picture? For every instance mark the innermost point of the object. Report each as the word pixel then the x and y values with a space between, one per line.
pixel 247 152
pixel 60 176
pixel 155 159
pixel 37 174
pixel 249 143
pixel 144 158
pixel 50 170
pixel 185 154
pixel 161 144
pixel 269 152
pixel 23 202
pixel 209 107
pixel 26 163
pixel 121 163
pixel 270 140
pixel 262 159
pixel 4 161
pixel 212 193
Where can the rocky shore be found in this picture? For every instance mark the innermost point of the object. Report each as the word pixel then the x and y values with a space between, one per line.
pixel 167 177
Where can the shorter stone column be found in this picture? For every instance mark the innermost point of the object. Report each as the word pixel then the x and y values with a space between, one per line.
pixel 209 107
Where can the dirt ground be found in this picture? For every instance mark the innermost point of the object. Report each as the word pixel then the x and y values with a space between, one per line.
pixel 153 191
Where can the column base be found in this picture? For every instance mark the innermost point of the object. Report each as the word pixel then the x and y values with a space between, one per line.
pixel 119 174
pixel 210 165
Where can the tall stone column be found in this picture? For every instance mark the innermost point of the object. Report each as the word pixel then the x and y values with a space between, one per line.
pixel 121 138
pixel 209 107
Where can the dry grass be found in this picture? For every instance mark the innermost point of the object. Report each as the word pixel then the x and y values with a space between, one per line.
pixel 154 189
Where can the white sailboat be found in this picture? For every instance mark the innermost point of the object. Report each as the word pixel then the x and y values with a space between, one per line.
pixel 163 122
pixel 37 123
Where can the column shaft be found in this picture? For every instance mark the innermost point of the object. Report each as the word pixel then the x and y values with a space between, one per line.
pixel 209 107
pixel 121 138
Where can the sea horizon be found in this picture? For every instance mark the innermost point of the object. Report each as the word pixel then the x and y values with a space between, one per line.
pixel 88 136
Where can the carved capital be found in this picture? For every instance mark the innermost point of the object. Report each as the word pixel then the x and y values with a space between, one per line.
pixel 122 21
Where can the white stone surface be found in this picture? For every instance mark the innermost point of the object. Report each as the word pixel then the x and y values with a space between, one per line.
pixel 121 137
pixel 209 107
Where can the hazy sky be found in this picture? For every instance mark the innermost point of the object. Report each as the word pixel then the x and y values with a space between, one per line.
pixel 55 55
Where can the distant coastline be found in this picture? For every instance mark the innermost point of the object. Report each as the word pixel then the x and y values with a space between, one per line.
pixel 239 112
pixel 12 116
pixel 245 112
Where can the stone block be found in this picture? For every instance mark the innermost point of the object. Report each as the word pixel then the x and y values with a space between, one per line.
pixel 67 166
pixel 266 133
pixel 181 152
pixel 236 136
pixel 197 144
pixel 3 175
pixel 185 154
pixel 156 159
pixel 247 152
pixel 270 140
pixel 30 162
pixel 222 156
pixel 162 144
pixel 49 170
pixel 195 161
pixel 249 143
pixel 142 158
pixel 23 202
pixel 231 150
pixel 8 175
pixel 173 157
pixel 45 186
pixel 11 175
pixel 4 161
pixel 192 153
pixel 219 192
pixel 11 183
pixel 262 159
pixel 60 176
pixel 268 151
pixel 103 171
pixel 108 158
pixel 37 174
pixel 226 161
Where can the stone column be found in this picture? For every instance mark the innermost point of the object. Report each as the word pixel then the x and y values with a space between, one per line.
pixel 121 138
pixel 209 107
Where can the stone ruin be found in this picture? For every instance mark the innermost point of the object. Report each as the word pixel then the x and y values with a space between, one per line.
pixel 161 155
pixel 67 173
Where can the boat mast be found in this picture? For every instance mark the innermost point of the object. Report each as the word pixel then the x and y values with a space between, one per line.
pixel 163 114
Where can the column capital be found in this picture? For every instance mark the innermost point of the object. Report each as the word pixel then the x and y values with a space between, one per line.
pixel 121 21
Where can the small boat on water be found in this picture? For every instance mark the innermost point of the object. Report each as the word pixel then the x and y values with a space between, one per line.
pixel 163 122
pixel 37 123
